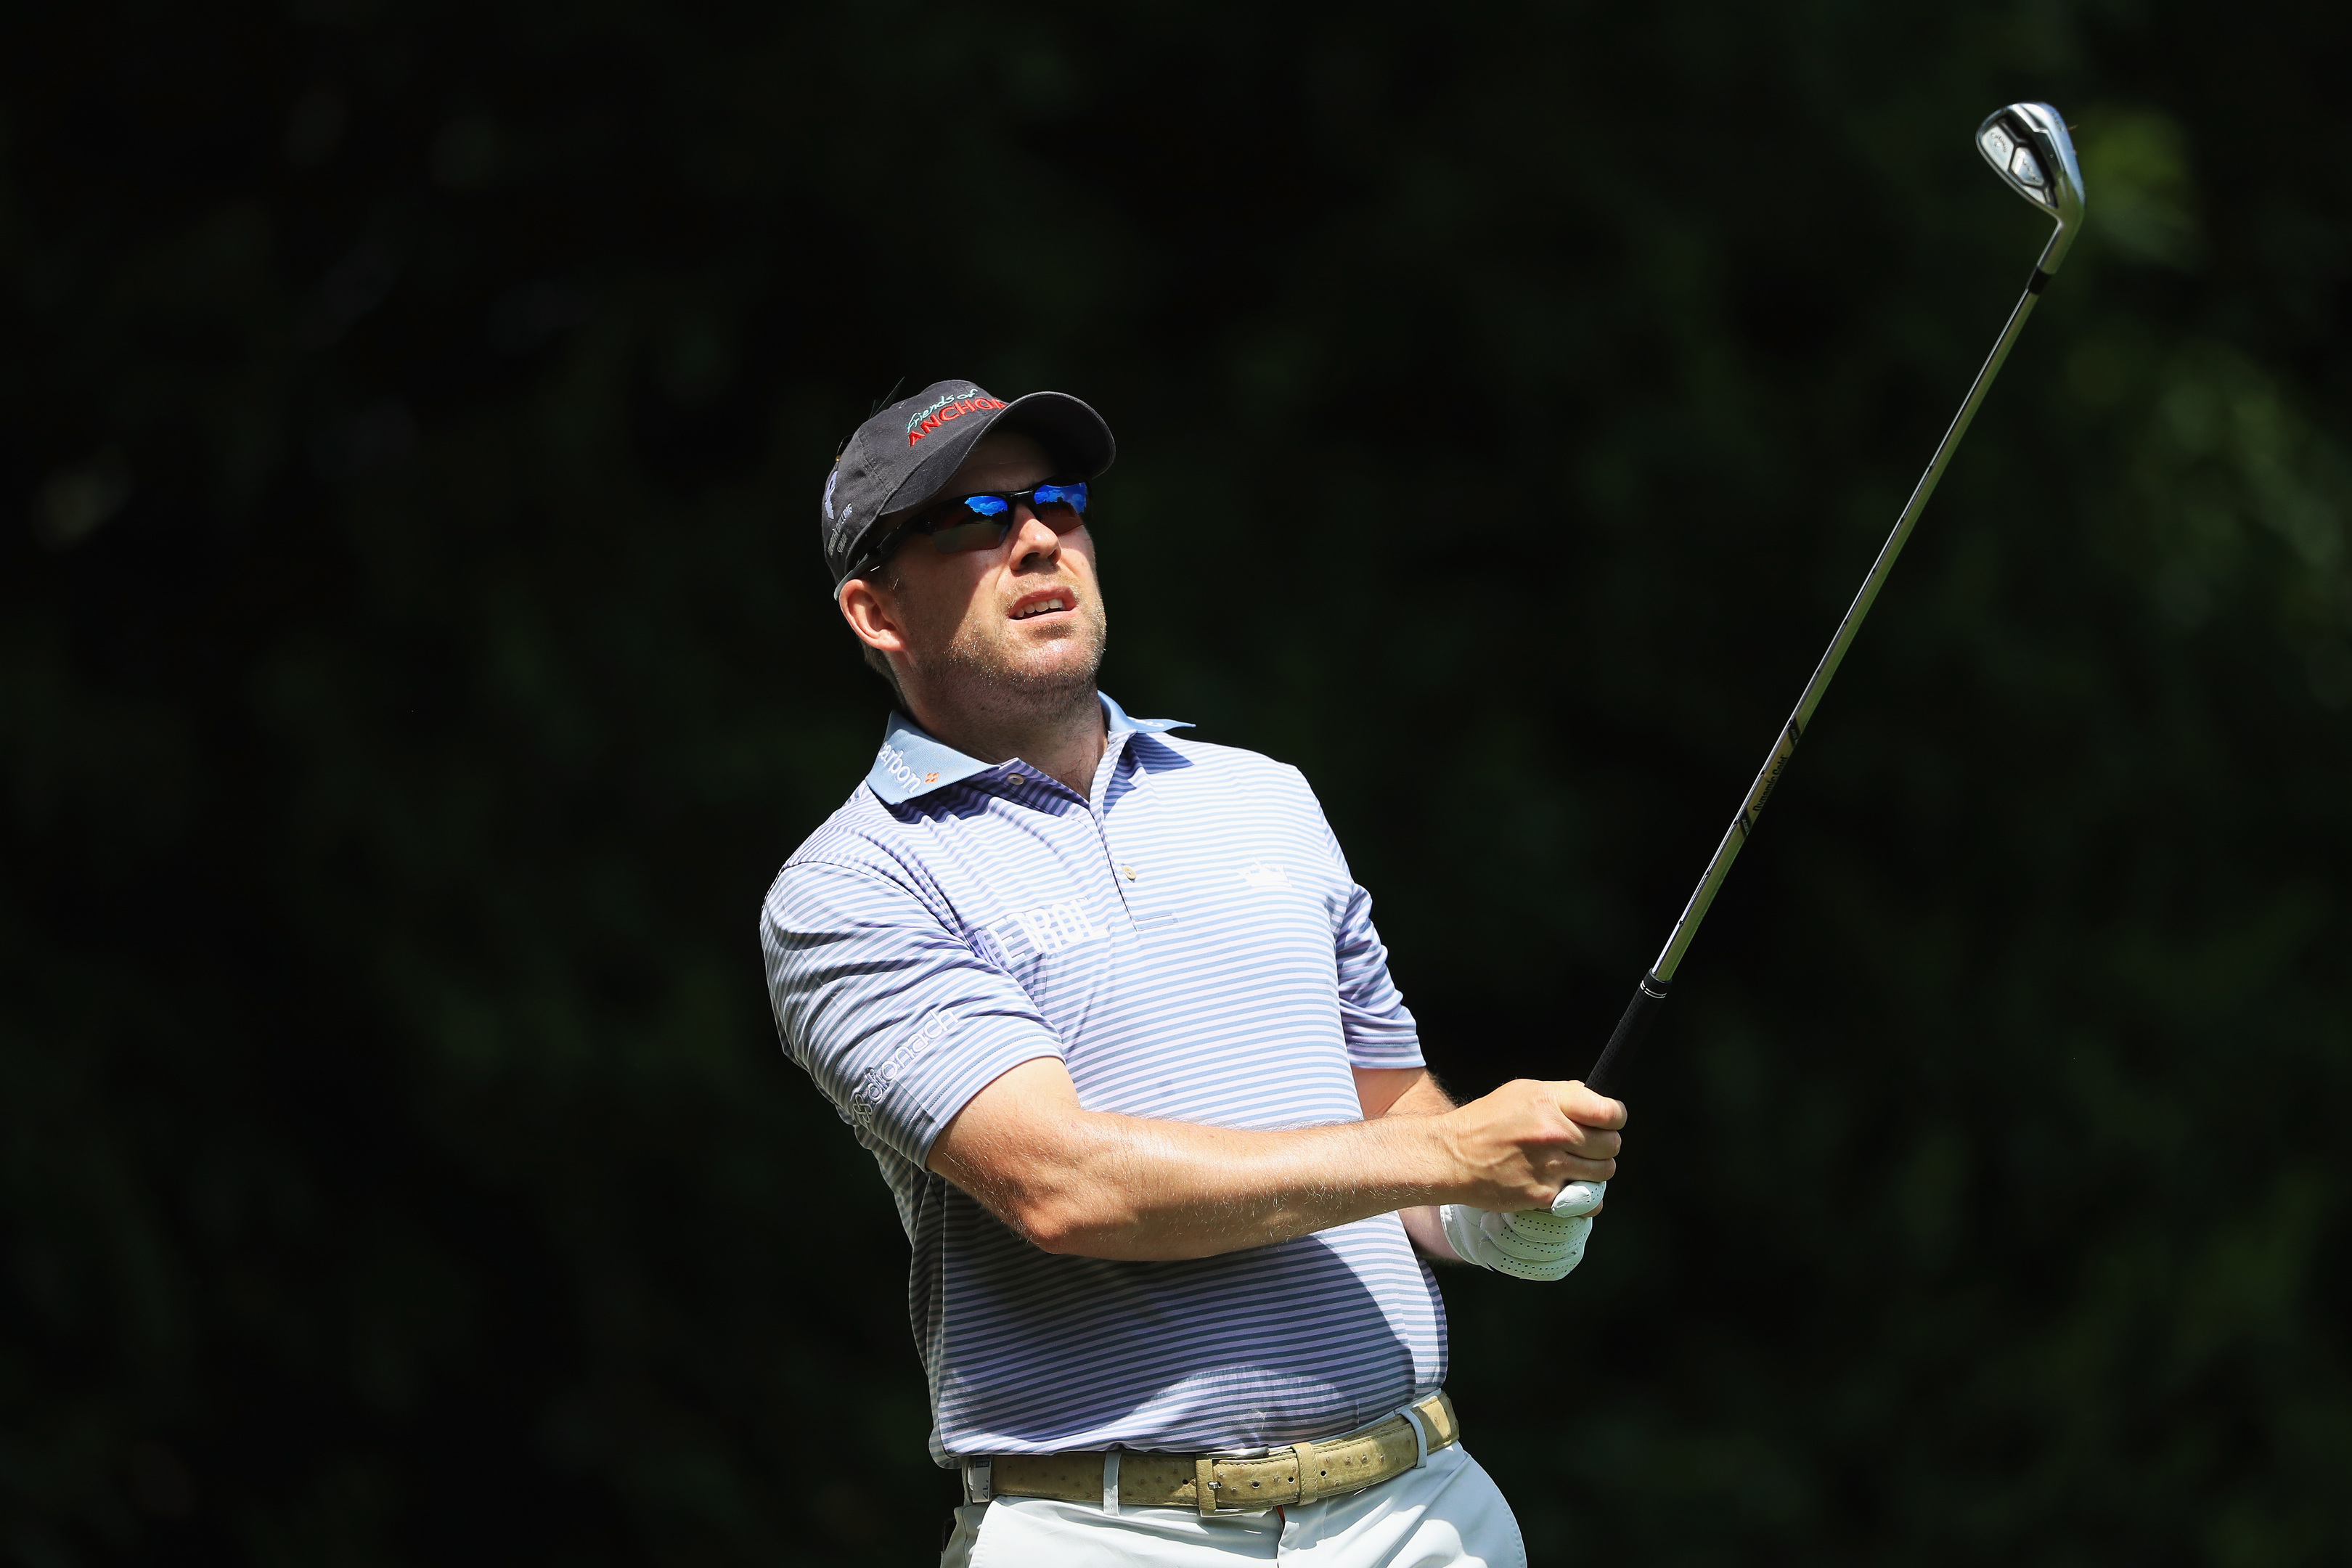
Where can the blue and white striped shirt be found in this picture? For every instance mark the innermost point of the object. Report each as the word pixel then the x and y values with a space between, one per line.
pixel 1187 941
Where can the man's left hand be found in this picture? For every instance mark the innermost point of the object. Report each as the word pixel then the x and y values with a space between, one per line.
pixel 1535 1245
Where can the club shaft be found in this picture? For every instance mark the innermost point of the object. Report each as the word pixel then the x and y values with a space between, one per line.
pixel 1617 1056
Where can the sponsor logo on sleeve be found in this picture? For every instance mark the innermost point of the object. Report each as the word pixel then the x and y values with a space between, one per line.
pixel 927 1031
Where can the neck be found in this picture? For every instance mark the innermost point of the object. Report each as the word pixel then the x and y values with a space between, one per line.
pixel 1063 739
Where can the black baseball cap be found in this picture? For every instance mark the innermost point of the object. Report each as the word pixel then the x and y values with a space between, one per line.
pixel 905 455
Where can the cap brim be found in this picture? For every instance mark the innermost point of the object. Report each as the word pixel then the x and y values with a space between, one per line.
pixel 1069 429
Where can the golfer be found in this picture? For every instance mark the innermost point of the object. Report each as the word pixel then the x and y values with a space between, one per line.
pixel 1112 1016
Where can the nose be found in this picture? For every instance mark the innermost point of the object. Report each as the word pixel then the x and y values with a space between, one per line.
pixel 1032 542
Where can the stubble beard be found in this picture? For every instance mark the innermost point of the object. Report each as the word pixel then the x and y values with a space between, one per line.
pixel 988 676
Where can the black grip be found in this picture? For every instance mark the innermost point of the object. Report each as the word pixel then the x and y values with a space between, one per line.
pixel 1616 1063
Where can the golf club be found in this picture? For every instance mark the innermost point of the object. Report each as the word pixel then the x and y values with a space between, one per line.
pixel 2028 144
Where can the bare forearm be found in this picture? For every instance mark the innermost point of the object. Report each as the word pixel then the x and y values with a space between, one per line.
pixel 1104 1186
pixel 1125 1187
pixel 1424 1097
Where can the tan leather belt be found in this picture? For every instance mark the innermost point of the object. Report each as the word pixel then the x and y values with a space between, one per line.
pixel 1224 1483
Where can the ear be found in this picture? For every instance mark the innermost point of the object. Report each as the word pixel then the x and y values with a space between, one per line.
pixel 872 614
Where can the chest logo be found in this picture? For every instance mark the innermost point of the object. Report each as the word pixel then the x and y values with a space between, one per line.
pixel 1258 874
pixel 1050 928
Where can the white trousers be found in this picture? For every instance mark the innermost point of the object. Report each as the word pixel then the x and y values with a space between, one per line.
pixel 1446 1512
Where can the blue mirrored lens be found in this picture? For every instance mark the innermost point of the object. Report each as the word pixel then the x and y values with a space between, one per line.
pixel 987 506
pixel 1071 495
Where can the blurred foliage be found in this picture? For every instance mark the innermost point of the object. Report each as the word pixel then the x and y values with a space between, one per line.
pixel 415 661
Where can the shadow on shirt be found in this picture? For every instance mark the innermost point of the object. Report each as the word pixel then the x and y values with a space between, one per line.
pixel 1301 1339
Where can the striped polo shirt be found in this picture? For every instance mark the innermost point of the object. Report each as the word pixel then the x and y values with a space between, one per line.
pixel 1186 939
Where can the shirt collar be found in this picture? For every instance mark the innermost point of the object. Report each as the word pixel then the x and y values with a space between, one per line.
pixel 913 763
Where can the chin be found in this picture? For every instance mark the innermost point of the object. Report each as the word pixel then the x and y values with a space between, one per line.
pixel 1065 670
pixel 1064 663
pixel 1068 660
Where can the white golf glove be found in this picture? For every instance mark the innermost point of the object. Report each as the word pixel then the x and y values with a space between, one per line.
pixel 1535 1245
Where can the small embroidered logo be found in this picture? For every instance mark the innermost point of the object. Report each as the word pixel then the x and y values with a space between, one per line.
pixel 1258 874
pixel 894 763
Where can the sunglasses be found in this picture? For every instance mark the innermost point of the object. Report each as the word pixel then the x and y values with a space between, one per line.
pixel 982 521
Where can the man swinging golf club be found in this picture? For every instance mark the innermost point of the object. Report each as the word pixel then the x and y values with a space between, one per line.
pixel 1112 1016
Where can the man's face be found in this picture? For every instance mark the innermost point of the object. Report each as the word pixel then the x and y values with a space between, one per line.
pixel 1026 617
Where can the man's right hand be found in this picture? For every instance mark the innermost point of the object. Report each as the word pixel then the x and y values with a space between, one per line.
pixel 1516 1147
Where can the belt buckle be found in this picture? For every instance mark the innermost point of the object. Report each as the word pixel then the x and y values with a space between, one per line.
pixel 1206 1486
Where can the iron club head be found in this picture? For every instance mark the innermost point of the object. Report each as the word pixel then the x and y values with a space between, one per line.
pixel 2028 144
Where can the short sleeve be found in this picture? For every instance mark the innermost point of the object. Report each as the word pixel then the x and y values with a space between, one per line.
pixel 1379 1030
pixel 894 1016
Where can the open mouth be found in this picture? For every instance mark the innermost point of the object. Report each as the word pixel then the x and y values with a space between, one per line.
pixel 1046 603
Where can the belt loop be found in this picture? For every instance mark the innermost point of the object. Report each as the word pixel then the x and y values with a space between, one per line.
pixel 1440 1409
pixel 1110 1481
pixel 1310 1486
pixel 1420 1437
pixel 977 1475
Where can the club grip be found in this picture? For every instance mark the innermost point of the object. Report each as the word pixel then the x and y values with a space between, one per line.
pixel 1616 1064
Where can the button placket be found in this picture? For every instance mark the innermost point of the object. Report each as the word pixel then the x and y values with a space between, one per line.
pixel 1122 873
pixel 1057 925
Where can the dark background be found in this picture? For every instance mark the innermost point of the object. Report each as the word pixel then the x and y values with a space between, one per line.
pixel 415 661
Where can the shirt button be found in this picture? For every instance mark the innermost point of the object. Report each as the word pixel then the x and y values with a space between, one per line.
pixel 1130 872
